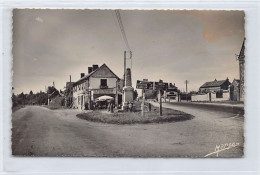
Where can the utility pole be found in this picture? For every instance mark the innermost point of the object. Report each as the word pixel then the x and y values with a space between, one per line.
pixel 124 67
pixel 160 102
pixel 160 87
pixel 143 92
pixel 186 82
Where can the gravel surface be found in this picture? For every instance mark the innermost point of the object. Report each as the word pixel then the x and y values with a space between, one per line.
pixel 38 131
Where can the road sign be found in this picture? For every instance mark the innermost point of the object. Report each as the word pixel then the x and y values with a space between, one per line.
pixel 161 86
pixel 141 85
pixel 151 85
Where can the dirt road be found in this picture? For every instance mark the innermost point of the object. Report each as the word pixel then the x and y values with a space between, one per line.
pixel 38 131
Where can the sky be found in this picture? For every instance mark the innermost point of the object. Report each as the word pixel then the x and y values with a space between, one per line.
pixel 198 46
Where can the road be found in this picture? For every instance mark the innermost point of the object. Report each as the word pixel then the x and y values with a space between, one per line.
pixel 38 131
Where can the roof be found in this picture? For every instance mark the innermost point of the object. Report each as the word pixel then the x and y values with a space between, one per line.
pixel 242 51
pixel 214 83
pixel 55 94
pixel 236 80
pixel 90 74
pixel 69 84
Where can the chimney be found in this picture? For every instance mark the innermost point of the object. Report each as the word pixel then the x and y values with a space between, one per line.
pixel 82 75
pixel 70 78
pixel 95 66
pixel 90 69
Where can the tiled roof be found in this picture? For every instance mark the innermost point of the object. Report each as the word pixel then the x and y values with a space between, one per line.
pixel 88 75
pixel 214 83
pixel 69 84
pixel 55 94
pixel 236 80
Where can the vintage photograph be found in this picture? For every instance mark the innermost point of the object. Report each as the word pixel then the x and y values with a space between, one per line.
pixel 128 83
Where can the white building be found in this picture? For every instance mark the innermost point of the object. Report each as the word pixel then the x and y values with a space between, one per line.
pixel 98 82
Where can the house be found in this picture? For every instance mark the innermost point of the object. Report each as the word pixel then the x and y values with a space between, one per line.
pixel 55 97
pixel 215 86
pixel 213 91
pixel 235 90
pixel 98 82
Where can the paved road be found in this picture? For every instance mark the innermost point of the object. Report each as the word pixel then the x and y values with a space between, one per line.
pixel 38 131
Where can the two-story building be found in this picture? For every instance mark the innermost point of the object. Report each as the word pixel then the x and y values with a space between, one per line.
pixel 99 81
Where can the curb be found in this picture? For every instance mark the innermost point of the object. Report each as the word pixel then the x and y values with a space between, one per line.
pixel 225 108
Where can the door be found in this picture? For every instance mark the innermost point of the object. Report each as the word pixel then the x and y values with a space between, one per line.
pixel 82 102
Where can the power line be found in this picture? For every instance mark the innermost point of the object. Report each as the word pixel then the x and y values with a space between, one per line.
pixel 119 19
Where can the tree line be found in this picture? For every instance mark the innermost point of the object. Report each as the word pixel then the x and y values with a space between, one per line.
pixel 39 98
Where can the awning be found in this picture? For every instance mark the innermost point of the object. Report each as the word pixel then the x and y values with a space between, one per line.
pixel 104 98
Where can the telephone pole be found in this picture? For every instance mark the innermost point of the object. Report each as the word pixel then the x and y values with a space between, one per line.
pixel 186 82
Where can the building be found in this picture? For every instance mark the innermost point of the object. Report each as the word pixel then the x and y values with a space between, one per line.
pixel 241 60
pixel 98 82
pixel 213 91
pixel 235 90
pixel 215 86
pixel 172 93
pixel 55 97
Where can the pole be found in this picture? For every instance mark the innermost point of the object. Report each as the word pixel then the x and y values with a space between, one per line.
pixel 160 100
pixel 143 102
pixel 186 90
pixel 116 100
pixel 124 68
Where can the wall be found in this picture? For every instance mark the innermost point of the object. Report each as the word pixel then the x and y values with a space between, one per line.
pixel 79 91
pixel 225 97
pixel 94 83
pixel 210 89
pixel 205 97
pixel 200 97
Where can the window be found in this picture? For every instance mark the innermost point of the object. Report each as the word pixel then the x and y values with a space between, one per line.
pixel 219 94
pixel 103 83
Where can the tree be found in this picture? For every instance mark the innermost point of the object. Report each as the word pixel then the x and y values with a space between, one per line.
pixel 31 93
pixel 22 96
pixel 14 100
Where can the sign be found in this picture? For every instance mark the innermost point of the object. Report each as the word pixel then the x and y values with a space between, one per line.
pixel 151 85
pixel 104 91
pixel 141 85
pixel 161 85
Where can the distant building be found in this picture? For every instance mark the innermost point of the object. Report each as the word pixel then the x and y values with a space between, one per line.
pixel 52 98
pixel 172 93
pixel 213 91
pixel 214 86
pixel 98 82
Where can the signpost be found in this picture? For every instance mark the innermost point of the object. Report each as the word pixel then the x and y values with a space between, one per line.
pixel 159 86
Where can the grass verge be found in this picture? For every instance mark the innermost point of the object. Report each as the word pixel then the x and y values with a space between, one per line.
pixel 121 118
